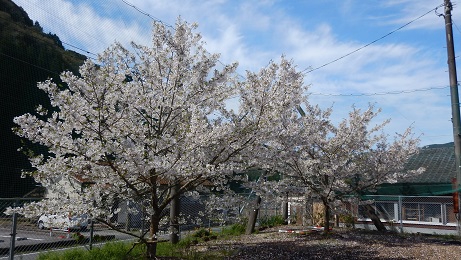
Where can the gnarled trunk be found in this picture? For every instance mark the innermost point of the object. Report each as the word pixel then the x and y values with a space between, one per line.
pixel 285 209
pixel 375 218
pixel 253 216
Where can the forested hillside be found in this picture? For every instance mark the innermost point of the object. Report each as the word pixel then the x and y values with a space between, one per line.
pixel 27 56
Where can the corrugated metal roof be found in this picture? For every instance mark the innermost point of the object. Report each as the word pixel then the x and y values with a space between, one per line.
pixel 439 161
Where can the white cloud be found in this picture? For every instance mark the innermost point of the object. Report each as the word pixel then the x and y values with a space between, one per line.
pixel 254 32
pixel 410 10
pixel 80 25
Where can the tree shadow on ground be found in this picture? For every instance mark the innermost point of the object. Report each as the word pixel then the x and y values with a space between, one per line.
pixel 336 245
pixel 289 250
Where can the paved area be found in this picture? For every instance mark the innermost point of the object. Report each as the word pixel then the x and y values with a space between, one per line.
pixel 30 242
pixel 39 240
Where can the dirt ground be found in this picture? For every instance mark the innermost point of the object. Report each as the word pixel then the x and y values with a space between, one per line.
pixel 339 244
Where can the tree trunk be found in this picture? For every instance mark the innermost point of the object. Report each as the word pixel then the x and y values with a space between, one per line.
pixel 285 210
pixel 326 216
pixel 253 216
pixel 375 218
pixel 174 215
pixel 151 247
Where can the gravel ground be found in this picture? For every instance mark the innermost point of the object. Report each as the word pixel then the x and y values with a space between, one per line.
pixel 340 244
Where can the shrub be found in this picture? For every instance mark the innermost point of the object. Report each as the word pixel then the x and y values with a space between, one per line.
pixel 187 242
pixel 348 220
pixel 201 233
pixel 271 221
pixel 234 230
pixel 78 237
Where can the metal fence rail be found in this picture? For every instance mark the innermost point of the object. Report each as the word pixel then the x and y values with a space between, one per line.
pixel 21 238
pixel 428 214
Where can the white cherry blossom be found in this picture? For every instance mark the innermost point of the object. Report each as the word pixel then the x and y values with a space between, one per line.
pixel 143 119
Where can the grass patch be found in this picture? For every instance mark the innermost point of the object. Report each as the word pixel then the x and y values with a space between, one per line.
pixel 124 251
pixel 185 249
pixel 271 221
pixel 115 251
pixel 234 230
pixel 111 251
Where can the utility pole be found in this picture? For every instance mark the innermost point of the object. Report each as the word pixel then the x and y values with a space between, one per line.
pixel 454 102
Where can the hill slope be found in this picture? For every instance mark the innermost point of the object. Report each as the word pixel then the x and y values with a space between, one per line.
pixel 27 56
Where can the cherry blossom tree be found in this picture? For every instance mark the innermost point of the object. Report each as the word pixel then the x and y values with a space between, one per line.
pixel 147 124
pixel 335 162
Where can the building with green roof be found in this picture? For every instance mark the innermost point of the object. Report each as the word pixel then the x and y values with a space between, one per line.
pixel 439 162
pixel 417 204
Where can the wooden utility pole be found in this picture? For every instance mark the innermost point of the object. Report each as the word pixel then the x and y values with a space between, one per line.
pixel 454 100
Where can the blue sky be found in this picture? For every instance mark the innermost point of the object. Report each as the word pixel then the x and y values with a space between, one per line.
pixel 404 73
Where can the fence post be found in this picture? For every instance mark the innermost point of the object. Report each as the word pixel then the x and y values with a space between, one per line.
pixel 13 233
pixel 91 233
pixel 400 214
pixel 444 214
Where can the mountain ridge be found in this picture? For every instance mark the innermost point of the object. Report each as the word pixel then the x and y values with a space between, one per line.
pixel 27 56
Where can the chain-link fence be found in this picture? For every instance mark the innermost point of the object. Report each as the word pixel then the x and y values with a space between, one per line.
pixel 429 214
pixel 25 238
pixel 22 236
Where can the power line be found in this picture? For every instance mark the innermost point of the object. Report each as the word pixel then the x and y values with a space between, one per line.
pixel 304 71
pixel 43 37
pixel 344 56
pixel 28 63
pixel 324 94
pixel 146 14
pixel 456 26
pixel 379 93
pixel 166 24
pixel 78 48
pixel 53 15
pixel 309 70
